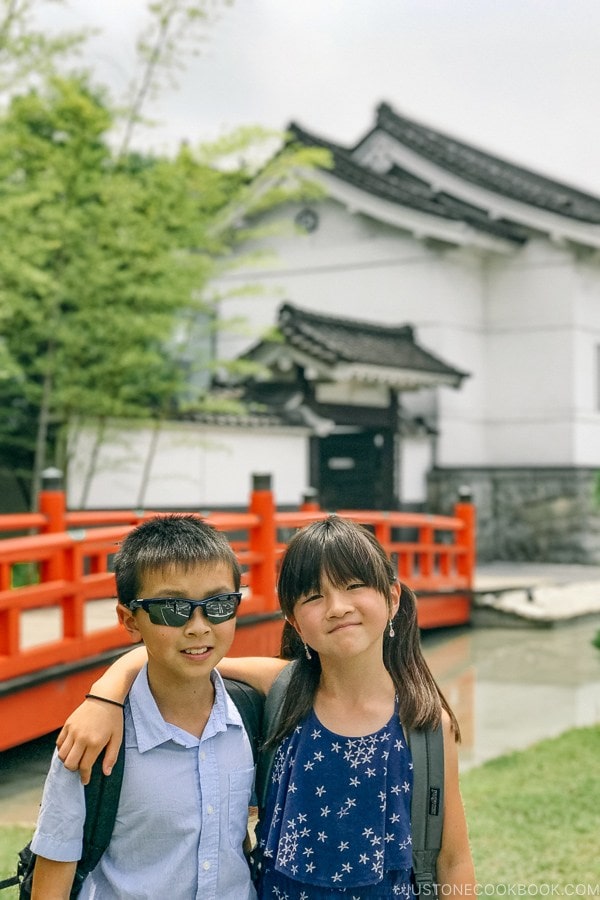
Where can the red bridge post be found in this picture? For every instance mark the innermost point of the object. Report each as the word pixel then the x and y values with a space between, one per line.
pixel 464 509
pixel 263 542
pixel 52 501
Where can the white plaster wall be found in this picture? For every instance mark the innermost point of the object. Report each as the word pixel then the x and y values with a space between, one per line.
pixel 344 268
pixel 586 364
pixel 414 463
pixel 194 467
pixel 543 324
pixel 354 266
pixel 524 325
pixel 360 268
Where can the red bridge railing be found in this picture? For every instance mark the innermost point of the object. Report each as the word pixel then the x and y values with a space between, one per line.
pixel 41 680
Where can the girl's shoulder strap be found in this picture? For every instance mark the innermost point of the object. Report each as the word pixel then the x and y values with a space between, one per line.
pixel 427 804
pixel 250 706
pixel 272 710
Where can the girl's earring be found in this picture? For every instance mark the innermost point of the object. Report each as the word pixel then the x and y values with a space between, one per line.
pixel 392 632
pixel 306 650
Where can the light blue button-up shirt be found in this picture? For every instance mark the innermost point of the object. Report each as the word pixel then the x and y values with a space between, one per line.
pixel 182 812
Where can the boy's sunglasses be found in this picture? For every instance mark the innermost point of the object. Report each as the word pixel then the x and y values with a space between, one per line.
pixel 176 612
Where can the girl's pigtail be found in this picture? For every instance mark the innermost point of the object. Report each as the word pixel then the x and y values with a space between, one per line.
pixel 419 697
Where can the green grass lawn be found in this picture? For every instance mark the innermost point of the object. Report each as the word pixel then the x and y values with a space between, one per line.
pixel 534 816
pixel 11 841
pixel 534 821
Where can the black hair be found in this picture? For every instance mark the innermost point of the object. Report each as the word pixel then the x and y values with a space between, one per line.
pixel 163 541
pixel 343 551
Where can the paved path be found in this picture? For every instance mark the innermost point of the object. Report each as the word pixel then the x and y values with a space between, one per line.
pixel 535 593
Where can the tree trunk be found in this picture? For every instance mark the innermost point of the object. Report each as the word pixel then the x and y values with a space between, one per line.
pixel 91 469
pixel 41 441
pixel 148 463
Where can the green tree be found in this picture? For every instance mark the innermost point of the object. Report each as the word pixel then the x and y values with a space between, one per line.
pixel 106 254
pixel 102 255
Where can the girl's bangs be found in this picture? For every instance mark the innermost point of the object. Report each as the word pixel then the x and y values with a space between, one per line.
pixel 340 561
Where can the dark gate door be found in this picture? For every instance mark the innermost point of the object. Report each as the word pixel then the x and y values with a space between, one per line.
pixel 356 470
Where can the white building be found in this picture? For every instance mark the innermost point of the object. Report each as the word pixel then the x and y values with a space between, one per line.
pixel 441 324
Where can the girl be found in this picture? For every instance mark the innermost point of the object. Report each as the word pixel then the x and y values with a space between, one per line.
pixel 337 817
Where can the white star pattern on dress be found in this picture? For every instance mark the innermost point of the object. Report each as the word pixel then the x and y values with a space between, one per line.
pixel 372 837
pixel 345 809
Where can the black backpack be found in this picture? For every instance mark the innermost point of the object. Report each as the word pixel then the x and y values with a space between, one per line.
pixel 427 805
pixel 102 799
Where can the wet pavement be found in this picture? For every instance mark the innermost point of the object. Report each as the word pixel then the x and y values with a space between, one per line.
pixel 510 687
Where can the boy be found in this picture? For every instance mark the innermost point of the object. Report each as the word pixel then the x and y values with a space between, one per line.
pixel 188 775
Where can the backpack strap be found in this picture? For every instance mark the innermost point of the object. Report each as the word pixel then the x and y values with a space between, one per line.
pixel 9 882
pixel 273 704
pixel 427 806
pixel 101 804
pixel 249 704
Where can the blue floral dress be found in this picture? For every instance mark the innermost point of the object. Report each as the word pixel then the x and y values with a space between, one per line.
pixel 337 820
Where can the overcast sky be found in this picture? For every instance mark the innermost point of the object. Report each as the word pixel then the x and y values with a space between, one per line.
pixel 520 78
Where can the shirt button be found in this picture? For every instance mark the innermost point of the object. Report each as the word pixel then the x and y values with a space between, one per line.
pixel 206 865
pixel 210 809
pixel 202 754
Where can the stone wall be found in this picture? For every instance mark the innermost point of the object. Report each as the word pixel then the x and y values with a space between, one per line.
pixel 541 515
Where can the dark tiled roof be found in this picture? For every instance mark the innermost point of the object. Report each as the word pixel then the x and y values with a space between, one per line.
pixel 254 415
pixel 491 172
pixel 334 340
pixel 403 188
